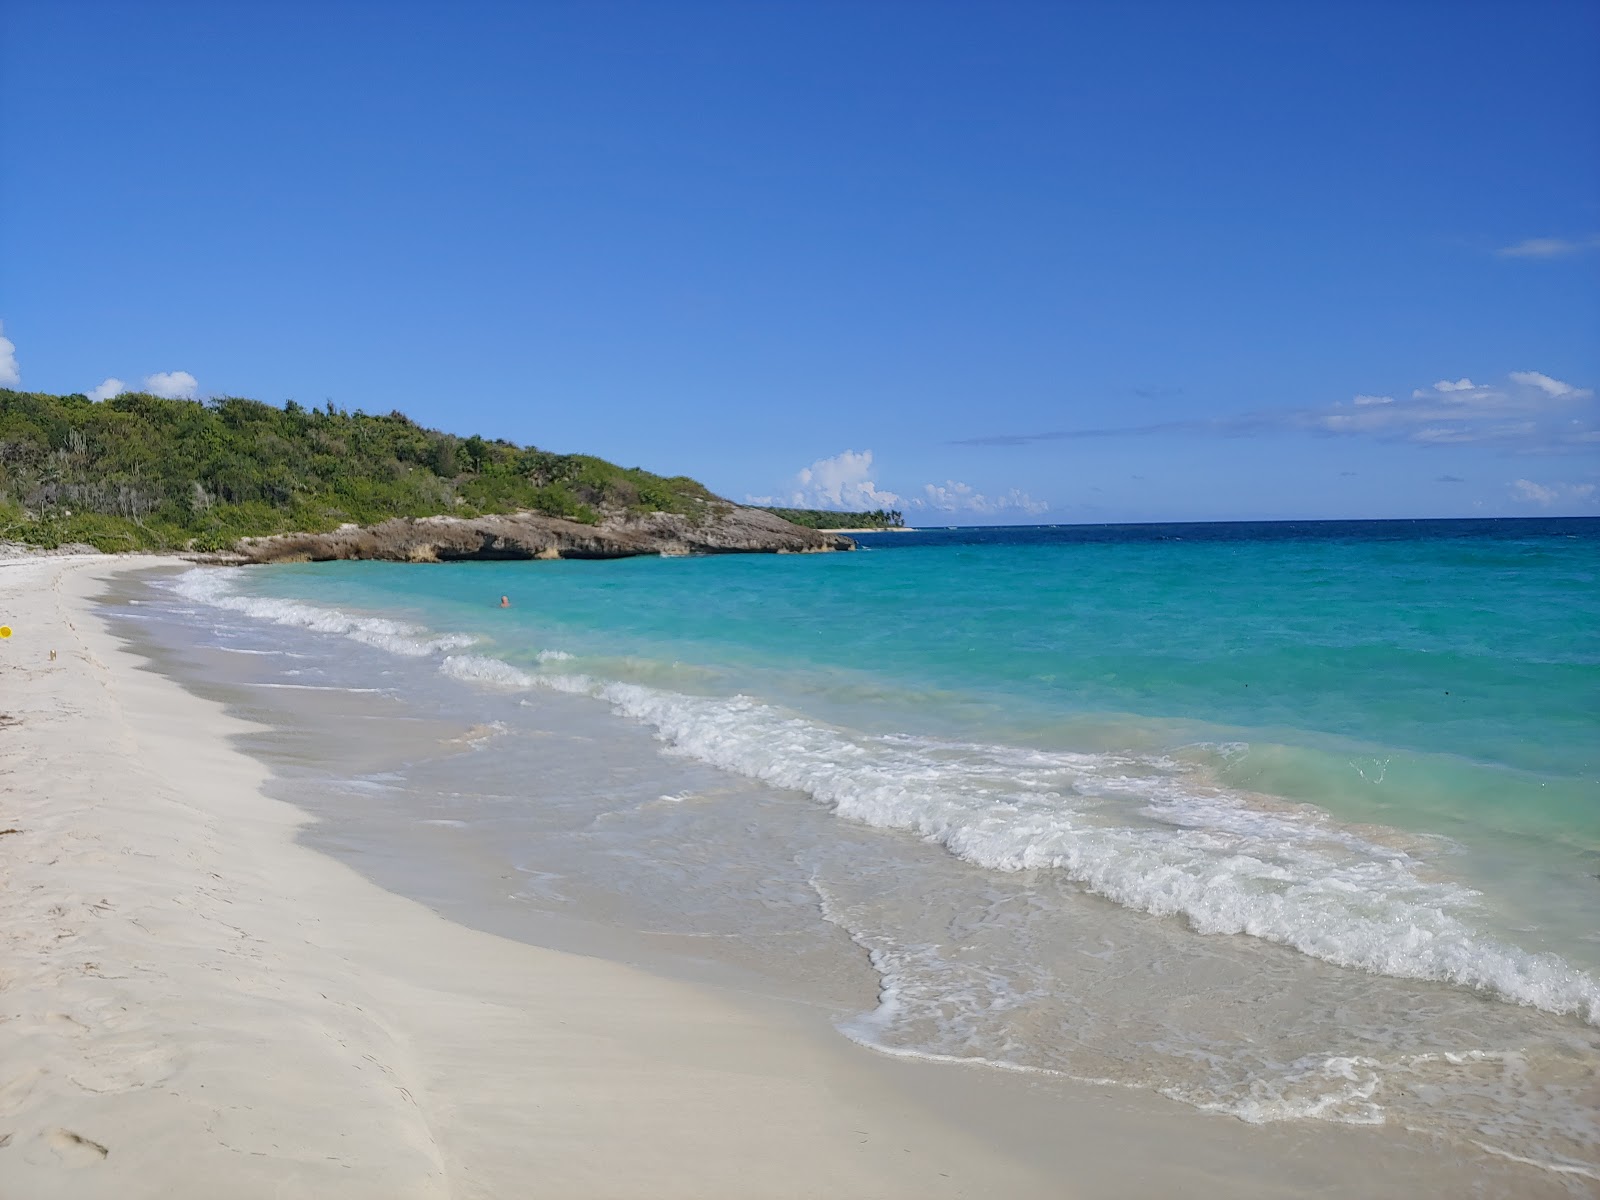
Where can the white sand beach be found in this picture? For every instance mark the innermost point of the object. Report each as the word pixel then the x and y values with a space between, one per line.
pixel 194 1005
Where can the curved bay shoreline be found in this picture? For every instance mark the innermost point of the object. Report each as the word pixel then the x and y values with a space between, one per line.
pixel 261 1019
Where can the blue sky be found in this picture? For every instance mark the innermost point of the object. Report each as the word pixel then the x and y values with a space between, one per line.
pixel 983 262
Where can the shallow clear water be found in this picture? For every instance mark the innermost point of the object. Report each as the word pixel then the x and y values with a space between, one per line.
pixel 1288 821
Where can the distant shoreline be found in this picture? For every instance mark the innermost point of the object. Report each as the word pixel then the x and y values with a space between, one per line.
pixel 868 529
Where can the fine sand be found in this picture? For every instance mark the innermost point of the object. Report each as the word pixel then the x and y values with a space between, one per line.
pixel 192 1004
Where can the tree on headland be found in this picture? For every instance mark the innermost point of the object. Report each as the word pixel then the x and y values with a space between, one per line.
pixel 816 518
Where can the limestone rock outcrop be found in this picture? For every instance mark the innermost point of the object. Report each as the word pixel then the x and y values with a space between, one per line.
pixel 725 529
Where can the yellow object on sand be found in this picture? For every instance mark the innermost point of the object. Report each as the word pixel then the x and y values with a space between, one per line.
pixel 5 631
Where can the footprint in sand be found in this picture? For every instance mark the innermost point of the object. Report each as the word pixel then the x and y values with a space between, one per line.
pixel 73 1149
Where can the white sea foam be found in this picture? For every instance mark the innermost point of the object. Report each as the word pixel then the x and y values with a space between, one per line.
pixel 1206 855
pixel 477 668
pixel 396 637
pixel 1287 876
pixel 1339 1088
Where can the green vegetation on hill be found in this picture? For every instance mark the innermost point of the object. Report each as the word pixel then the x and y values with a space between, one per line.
pixel 139 472
pixel 816 518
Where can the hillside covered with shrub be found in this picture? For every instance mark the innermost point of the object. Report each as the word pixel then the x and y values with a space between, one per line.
pixel 139 472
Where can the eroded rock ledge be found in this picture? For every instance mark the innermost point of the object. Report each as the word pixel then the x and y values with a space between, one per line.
pixel 733 530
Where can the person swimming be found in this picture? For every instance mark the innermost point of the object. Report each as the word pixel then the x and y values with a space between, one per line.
pixel 505 601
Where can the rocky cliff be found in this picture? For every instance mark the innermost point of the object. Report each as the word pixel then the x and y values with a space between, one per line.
pixel 726 529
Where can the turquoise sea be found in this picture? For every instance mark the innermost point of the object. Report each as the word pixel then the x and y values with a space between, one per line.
pixel 1082 796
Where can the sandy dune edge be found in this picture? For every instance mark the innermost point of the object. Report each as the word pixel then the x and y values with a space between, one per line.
pixel 193 1005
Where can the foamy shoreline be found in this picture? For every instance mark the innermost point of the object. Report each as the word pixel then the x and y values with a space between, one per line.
pixel 197 1005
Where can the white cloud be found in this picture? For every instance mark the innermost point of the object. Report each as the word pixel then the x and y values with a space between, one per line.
pixel 843 482
pixel 1550 247
pixel 1538 379
pixel 10 373
pixel 952 496
pixel 111 387
pixel 1532 493
pixel 1530 411
pixel 1525 491
pixel 174 385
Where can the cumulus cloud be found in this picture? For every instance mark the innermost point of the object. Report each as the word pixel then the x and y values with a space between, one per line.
pixel 111 387
pixel 174 385
pixel 1526 491
pixel 1550 247
pixel 843 482
pixel 10 373
pixel 952 496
